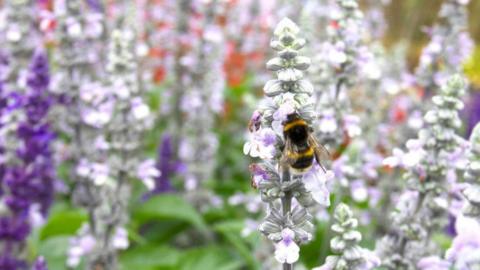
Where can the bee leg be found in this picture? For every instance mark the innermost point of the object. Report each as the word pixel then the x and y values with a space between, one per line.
pixel 321 166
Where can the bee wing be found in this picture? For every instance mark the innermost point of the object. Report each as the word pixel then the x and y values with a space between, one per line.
pixel 321 153
pixel 287 158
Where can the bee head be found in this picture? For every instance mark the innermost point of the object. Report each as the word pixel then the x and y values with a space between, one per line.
pixel 291 118
pixel 295 128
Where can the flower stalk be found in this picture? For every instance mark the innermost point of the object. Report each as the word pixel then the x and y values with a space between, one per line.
pixel 335 71
pixel 107 175
pixel 349 255
pixel 472 176
pixel 449 47
pixel 288 195
pixel 423 209
pixel 27 179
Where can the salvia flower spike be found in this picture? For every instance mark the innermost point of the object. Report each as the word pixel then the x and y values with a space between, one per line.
pixel 472 176
pixel 27 180
pixel 423 207
pixel 349 255
pixel 288 223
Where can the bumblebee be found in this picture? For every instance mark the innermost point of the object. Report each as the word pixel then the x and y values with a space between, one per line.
pixel 301 147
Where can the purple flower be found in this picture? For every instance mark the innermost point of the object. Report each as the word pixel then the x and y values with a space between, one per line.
pixel 261 143
pixel 316 181
pixel 40 264
pixel 433 263
pixel 96 5
pixel 167 166
pixel 147 172
pixel 80 245
pixel 30 180
pixel 8 262
pixel 466 245
pixel 287 251
pixel 473 112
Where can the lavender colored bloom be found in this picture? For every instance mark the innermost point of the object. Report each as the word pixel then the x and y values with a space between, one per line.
pixel 40 264
pixel 287 251
pixel 433 263
pixel 7 262
pixel 96 5
pixel 167 165
pixel 29 182
pixel 425 207
pixel 463 253
pixel 473 111
pixel 36 134
pixel 450 45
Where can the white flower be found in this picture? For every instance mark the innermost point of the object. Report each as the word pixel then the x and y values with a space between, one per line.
pixel 406 159
pixel 250 227
pixel 13 34
pixel 74 28
pixel 316 182
pixel 97 172
pixel 465 248
pixel 98 116
pixel 433 263
pixel 328 123
pixel 83 168
pixel 371 259
pixel 286 108
pixel 101 143
pixel 352 125
pixel 147 172
pixel 35 216
pixel 415 121
pixel 80 246
pixel 261 144
pixel 121 89
pixel 414 155
pixel 139 109
pixel 337 57
pixel 120 238
pixel 359 191
pixel 371 70
pixel 287 251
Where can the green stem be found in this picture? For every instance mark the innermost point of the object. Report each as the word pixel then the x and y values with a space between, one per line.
pixel 286 205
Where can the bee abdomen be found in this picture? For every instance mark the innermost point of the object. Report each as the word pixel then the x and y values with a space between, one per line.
pixel 303 162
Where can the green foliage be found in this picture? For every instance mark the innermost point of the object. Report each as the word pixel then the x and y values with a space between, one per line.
pixel 169 207
pixel 231 230
pixel 150 257
pixel 54 249
pixel 63 222
pixel 209 257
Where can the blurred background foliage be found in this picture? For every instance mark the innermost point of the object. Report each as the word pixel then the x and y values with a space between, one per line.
pixel 167 233
pixel 407 19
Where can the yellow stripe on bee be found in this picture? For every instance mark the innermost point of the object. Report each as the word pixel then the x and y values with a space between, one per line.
pixel 295 155
pixel 297 122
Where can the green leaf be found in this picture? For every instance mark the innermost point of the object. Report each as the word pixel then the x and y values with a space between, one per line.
pixel 210 257
pixel 444 241
pixel 54 251
pixel 162 232
pixel 169 207
pixel 64 222
pixel 149 257
pixel 231 230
